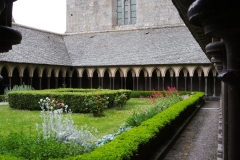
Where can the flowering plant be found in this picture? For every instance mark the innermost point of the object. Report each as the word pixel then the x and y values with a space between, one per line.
pixel 51 104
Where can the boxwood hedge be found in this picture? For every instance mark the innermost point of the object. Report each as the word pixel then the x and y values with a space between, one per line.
pixel 74 98
pixel 136 143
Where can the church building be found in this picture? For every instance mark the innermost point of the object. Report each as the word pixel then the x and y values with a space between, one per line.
pixel 114 44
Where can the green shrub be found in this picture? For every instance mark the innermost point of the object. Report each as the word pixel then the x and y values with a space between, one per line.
pixel 137 141
pixel 75 98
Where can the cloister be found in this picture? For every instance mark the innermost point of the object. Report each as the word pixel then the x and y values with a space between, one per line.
pixel 183 77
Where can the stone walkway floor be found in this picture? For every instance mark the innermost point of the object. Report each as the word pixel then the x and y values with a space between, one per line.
pixel 199 141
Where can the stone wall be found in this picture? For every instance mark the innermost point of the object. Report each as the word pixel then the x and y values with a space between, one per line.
pixel 95 15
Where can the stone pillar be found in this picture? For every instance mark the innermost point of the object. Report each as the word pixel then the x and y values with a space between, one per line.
pixel 10 82
pixel 206 90
pixel 137 83
pixel 217 51
pixel 56 82
pixel 177 83
pixel 185 78
pixel 145 85
pixel 110 82
pixel 48 82
pixel 150 84
pixel 158 83
pixel 121 82
pixel 113 83
pixel 70 82
pixel 90 79
pixel 220 19
pixel 8 36
pixel 63 81
pixel 40 83
pixel 102 82
pixel 20 80
pixel 80 82
pixel 133 83
pixel 30 81
pixel 163 82
pixel 191 83
pixel 125 82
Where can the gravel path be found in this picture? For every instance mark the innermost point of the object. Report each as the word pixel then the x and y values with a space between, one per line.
pixel 199 141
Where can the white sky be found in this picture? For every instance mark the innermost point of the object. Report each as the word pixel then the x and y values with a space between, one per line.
pixel 49 15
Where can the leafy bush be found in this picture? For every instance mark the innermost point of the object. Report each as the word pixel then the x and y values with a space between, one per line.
pixel 56 124
pixel 127 145
pixel 160 103
pixel 120 100
pixel 96 104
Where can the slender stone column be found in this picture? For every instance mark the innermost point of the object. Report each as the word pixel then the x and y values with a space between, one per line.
pixel 125 82
pixel 110 82
pixel 113 83
pixel 199 84
pixel 90 79
pixel 63 81
pixel 40 83
pixel 191 83
pixel 99 82
pixel 133 83
pixel 56 82
pixel 145 84
pixel 80 82
pixel 185 85
pixel 70 82
pixel 102 82
pixel 177 83
pixel 20 80
pixel 163 82
pixel 137 83
pixel 220 19
pixel 150 84
pixel 10 82
pixel 48 82
pixel 30 79
pixel 121 82
pixel 158 83
pixel 206 89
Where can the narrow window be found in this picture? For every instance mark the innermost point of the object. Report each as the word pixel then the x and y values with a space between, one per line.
pixel 126 12
pixel 119 12
pixel 133 12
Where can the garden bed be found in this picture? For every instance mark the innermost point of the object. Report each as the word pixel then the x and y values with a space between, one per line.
pixel 139 142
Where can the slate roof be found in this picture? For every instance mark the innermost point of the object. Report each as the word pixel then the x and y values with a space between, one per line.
pixel 173 45
pixel 197 32
pixel 169 45
pixel 38 47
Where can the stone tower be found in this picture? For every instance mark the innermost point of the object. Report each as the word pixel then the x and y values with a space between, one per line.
pixel 110 15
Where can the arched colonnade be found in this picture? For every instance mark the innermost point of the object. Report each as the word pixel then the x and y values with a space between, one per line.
pixel 183 77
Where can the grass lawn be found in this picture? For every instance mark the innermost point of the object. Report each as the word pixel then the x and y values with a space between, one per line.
pixel 23 120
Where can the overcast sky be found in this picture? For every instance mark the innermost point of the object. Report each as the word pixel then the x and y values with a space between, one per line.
pixel 49 15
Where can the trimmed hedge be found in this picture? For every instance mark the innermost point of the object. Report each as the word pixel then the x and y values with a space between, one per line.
pixel 143 94
pixel 74 98
pixel 136 143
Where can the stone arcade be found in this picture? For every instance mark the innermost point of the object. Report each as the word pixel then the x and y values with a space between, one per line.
pixel 138 45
